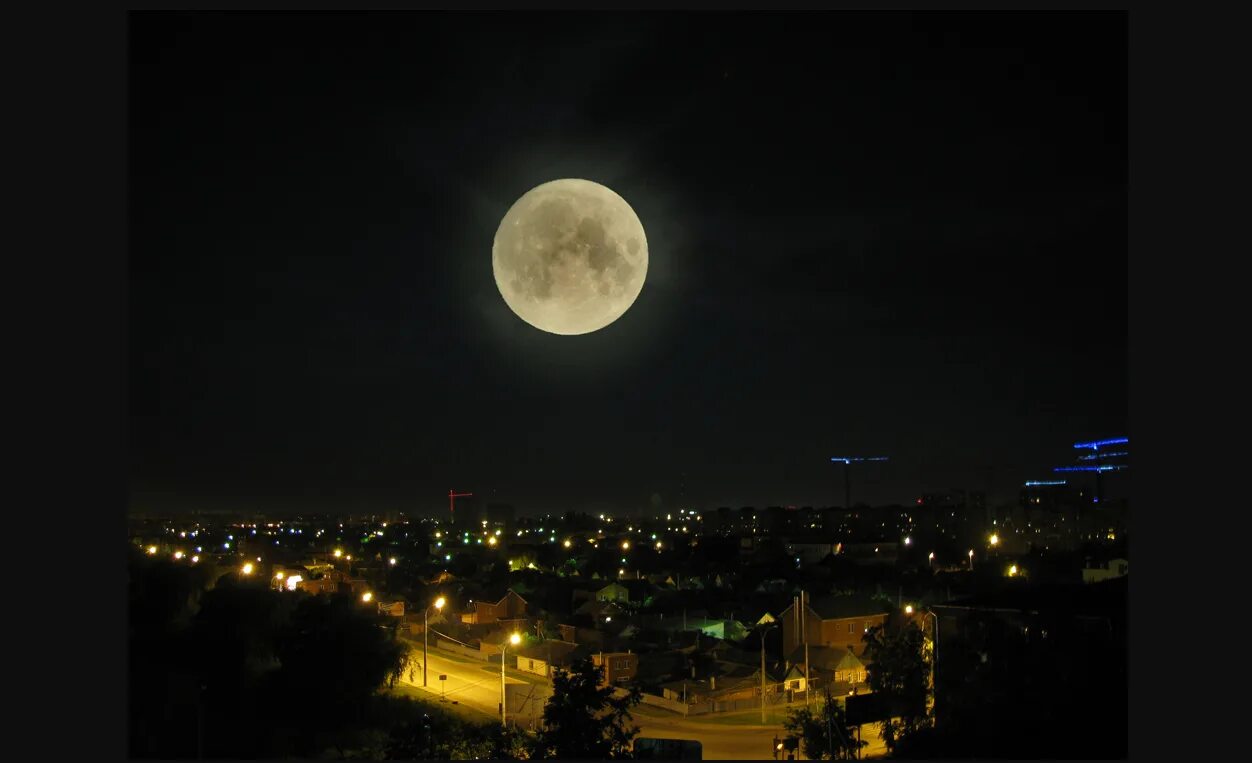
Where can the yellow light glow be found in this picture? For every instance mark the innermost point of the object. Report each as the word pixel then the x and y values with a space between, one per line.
pixel 994 539
pixel 247 568
pixel 658 545
pixel 440 602
pixel 195 559
pixel 491 541
pixel 515 639
pixel 348 557
pixel 908 610
pixel 438 535
pixel 367 597
pixel 568 544
pixel 1012 570
pixel 338 553
pixel 293 581
pixel 178 554
pixel 392 561
pixel 152 550
pixel 279 576
pixel 625 545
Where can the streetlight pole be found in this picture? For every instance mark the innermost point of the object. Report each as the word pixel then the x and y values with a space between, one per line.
pixel 764 633
pixel 426 636
pixel 514 639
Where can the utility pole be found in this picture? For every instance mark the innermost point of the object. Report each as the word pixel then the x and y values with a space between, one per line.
pixel 808 688
pixel 764 633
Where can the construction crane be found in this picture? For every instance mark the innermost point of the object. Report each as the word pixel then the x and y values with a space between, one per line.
pixel 452 496
pixel 847 479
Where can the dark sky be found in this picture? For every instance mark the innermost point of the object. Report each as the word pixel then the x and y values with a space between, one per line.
pixel 881 235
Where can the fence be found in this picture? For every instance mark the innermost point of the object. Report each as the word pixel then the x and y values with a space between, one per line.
pixel 455 648
pixel 773 701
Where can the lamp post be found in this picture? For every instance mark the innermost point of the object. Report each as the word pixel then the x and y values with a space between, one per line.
pixel 515 639
pixel 764 633
pixel 426 635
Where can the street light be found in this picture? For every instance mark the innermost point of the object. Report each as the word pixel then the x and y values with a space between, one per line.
pixel 994 539
pixel 971 558
pixel 515 639
pixel 367 597
pixel 426 634
pixel 908 609
pixel 247 568
pixel 764 633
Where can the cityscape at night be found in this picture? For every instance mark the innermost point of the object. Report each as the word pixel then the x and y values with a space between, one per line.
pixel 726 386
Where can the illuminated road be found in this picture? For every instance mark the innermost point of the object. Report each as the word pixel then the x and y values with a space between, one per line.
pixel 477 688
pixel 468 682
pixel 723 741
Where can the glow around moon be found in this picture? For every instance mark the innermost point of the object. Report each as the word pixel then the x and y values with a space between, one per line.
pixel 570 257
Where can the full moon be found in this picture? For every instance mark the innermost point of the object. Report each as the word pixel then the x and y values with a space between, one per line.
pixel 570 257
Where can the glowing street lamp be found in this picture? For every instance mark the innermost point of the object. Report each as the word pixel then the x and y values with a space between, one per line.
pixel 178 554
pixel 152 550
pixel 515 639
pixel 491 541
pixel 1013 570
pixel 247 568
pixel 568 543
pixel 392 561
pixel 367 597
pixel 426 633
pixel 994 539
pixel 908 609
pixel 971 558
pixel 625 545
pixel 338 553
pixel 908 541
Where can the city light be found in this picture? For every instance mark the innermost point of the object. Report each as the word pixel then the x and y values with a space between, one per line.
pixel 178 554
pixel 338 553
pixel 247 568
pixel 515 639
pixel 1013 570
pixel 195 559
pixel 658 545
pixel 908 609
pixel 392 561
pixel 908 541
pixel 1101 443
pixel 440 602
pixel 367 597
pixel 279 575
pixel 491 541
pixel 994 539
pixel 568 543
pixel 625 545
pixel 293 581
pixel 1045 483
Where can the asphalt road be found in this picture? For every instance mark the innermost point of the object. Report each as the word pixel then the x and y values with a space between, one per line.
pixel 475 687
pixel 469 683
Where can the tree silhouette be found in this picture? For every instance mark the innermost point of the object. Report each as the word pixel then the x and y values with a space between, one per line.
pixel 585 719
pixel 824 734
pixel 898 675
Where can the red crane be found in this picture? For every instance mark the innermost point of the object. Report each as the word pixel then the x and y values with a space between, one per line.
pixel 452 496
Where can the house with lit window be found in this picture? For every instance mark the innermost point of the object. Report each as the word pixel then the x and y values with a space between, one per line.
pixel 832 621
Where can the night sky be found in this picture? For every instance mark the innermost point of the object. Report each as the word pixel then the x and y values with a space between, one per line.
pixel 869 235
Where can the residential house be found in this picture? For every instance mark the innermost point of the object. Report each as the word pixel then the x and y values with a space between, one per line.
pixel 836 667
pixel 542 658
pixel 832 621
pixel 510 607
pixel 1097 571
pixel 618 666
pixel 613 592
